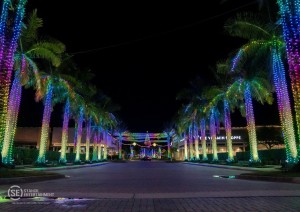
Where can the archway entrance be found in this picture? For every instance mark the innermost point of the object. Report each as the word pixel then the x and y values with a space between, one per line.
pixel 144 145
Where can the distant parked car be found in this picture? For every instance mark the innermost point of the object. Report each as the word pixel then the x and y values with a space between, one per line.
pixel 146 158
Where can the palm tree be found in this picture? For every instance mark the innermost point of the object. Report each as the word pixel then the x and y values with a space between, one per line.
pixel 69 96
pixel 8 45
pixel 27 72
pixel 105 121
pixel 181 128
pixel 91 117
pixel 193 112
pixel 79 117
pixel 220 101
pixel 251 85
pixel 265 42
pixel 47 83
pixel 213 129
pixel 290 15
pixel 203 139
pixel 65 129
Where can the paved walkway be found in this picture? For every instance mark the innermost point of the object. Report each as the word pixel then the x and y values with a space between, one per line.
pixel 157 186
pixel 191 204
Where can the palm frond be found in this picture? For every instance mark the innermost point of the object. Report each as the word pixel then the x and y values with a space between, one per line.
pixel 47 51
pixel 248 26
pixel 30 31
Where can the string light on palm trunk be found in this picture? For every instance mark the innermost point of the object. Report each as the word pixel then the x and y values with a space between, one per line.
pixel 251 125
pixel 7 49
pixel 88 138
pixel 203 140
pixel 196 137
pixel 213 134
pixel 79 135
pixel 290 21
pixel 64 137
pixel 95 147
pixel 45 124
pixel 284 107
pixel 11 120
pixel 228 131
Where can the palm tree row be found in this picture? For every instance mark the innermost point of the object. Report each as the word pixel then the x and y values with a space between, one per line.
pixel 244 78
pixel 53 85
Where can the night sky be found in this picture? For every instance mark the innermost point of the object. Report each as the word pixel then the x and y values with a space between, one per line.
pixel 142 54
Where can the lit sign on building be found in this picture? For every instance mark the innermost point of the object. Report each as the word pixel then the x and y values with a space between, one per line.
pixel 234 137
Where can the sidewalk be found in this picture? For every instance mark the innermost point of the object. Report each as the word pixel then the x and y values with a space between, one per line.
pixel 245 176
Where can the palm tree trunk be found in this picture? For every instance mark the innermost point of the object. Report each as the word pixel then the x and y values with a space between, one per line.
pixel 105 152
pixel 95 147
pixel 88 139
pixel 7 60
pixel 191 155
pixel 213 135
pixel 251 125
pixel 169 147
pixel 131 152
pixel 64 137
pixel 11 120
pixel 185 148
pixel 99 144
pixel 228 131
pixel 196 136
pixel 284 107
pixel 45 125
pixel 203 140
pixel 79 136
pixel 3 22
pixel 105 145
pixel 99 152
pixel 290 20
pixel 120 146
pixel 159 152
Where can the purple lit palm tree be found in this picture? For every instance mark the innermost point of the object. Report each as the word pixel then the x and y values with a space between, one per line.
pixel 30 47
pixel 9 36
pixel 290 21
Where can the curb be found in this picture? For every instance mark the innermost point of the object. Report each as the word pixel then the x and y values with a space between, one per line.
pixel 75 167
pixel 66 167
pixel 228 167
pixel 220 167
pixel 269 178
pixel 252 177
pixel 4 181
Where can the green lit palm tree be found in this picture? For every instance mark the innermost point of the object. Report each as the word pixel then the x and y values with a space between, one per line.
pixel 248 86
pixel 193 113
pixel 181 126
pixel 220 101
pixel 53 91
pixel 266 44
